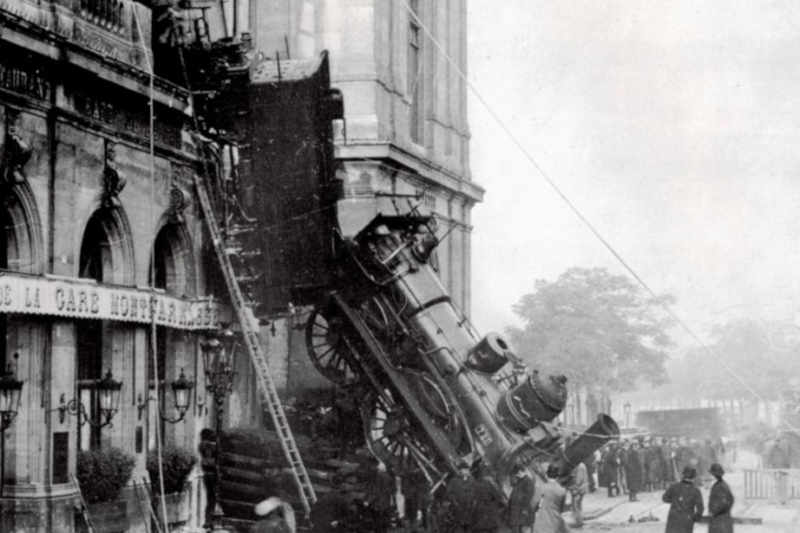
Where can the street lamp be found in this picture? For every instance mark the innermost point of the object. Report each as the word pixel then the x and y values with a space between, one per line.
pixel 108 390
pixel 10 395
pixel 627 408
pixel 219 354
pixel 181 398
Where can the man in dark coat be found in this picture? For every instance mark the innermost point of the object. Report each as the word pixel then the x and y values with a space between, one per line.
pixel 643 451
pixel 655 466
pixel 609 470
pixel 720 502
pixel 459 497
pixel 417 498
pixel 686 503
pixel 520 502
pixel 633 471
pixel 621 454
pixel 380 498
pixel 490 504
pixel 667 464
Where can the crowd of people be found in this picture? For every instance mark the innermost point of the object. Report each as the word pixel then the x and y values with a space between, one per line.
pixel 632 466
pixel 474 504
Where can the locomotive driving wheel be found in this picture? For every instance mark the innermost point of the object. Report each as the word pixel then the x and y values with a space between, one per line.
pixel 443 410
pixel 392 437
pixel 329 348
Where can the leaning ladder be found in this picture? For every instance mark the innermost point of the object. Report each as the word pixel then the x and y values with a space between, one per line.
pixel 249 327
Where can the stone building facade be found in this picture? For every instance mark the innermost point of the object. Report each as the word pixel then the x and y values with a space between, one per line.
pixel 406 107
pixel 100 244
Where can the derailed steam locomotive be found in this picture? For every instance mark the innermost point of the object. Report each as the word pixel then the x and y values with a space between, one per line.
pixel 434 392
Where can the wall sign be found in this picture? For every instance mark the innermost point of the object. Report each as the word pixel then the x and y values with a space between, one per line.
pixel 60 457
pixel 83 299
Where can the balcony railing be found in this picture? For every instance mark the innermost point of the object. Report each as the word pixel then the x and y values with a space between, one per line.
pixel 109 14
pixel 116 29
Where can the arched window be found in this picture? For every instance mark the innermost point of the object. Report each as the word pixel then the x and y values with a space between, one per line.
pixel 19 232
pixel 173 272
pixel 21 250
pixel 103 248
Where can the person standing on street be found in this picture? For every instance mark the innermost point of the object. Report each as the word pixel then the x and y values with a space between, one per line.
pixel 460 499
pixel 621 453
pixel 380 498
pixel 720 502
pixel 490 503
pixel 521 510
pixel 416 499
pixel 590 465
pixel 643 451
pixel 634 471
pixel 608 471
pixel 577 489
pixel 686 503
pixel 551 505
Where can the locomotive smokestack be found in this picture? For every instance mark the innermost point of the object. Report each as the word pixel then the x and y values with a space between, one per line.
pixel 602 431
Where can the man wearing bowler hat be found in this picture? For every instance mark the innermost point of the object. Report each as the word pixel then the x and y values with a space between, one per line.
pixel 460 498
pixel 686 503
pixel 521 511
pixel 720 502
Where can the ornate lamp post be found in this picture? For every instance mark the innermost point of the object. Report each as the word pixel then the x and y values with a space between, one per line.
pixel 627 408
pixel 10 395
pixel 219 353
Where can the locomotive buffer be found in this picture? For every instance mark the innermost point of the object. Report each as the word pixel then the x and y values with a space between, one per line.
pixel 249 325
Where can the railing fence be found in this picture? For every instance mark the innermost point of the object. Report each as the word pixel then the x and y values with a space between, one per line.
pixel 780 484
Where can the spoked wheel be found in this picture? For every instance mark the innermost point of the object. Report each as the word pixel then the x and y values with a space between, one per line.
pixel 379 319
pixel 392 438
pixel 376 318
pixel 438 402
pixel 329 348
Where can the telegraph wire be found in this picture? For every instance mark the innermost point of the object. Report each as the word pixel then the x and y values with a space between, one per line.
pixel 153 329
pixel 577 212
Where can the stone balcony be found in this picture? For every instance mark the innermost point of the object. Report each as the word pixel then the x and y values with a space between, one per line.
pixel 118 30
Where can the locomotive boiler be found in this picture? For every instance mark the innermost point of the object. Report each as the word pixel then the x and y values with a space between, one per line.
pixel 432 391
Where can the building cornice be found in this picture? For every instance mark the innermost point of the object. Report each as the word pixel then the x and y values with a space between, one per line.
pixel 427 170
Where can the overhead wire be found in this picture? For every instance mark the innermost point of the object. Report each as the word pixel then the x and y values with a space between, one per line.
pixel 579 214
pixel 153 345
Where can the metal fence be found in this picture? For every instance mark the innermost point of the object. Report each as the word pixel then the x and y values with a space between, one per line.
pixel 772 484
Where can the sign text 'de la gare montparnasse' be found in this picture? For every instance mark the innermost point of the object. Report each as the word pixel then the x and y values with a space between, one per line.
pixel 44 296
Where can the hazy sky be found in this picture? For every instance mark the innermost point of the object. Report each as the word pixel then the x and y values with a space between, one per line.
pixel 673 125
